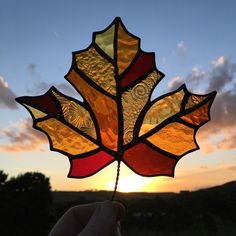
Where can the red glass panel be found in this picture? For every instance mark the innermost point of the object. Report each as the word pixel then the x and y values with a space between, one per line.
pixel 146 161
pixel 83 167
pixel 43 103
pixel 144 63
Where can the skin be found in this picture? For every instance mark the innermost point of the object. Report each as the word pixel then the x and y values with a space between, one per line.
pixel 100 218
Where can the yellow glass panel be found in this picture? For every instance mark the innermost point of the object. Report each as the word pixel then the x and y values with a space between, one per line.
pixel 64 138
pixel 198 116
pixel 104 108
pixel 106 41
pixel 127 47
pixel 133 102
pixel 76 115
pixel 174 138
pixel 36 113
pixel 98 69
pixel 194 100
pixel 161 110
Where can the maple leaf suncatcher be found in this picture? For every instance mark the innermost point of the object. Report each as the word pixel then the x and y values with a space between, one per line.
pixel 117 121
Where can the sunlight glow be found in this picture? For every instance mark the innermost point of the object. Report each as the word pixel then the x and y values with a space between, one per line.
pixel 130 184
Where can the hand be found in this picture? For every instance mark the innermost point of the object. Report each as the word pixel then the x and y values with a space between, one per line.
pixel 95 219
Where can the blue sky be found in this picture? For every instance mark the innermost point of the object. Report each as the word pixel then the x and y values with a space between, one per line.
pixel 194 42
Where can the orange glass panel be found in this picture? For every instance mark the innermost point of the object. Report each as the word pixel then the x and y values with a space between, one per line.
pixel 133 102
pixel 174 138
pixel 127 47
pixel 104 108
pixel 76 115
pixel 161 110
pixel 64 138
pixel 198 116
pixel 98 69
pixel 194 100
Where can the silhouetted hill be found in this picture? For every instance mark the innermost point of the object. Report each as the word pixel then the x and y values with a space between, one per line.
pixel 68 196
pixel 209 211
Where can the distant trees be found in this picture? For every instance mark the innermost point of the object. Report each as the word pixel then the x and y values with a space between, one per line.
pixel 25 204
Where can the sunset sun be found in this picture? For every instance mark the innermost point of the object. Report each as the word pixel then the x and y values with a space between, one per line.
pixel 130 184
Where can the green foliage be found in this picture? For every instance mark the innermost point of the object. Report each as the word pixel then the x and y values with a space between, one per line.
pixel 3 178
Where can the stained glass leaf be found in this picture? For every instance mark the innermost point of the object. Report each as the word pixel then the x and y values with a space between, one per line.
pixel 117 121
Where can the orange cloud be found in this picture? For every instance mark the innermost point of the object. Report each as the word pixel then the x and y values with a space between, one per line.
pixel 22 138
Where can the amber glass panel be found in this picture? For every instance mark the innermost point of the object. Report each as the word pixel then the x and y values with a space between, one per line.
pixel 104 108
pixel 106 41
pixel 174 138
pixel 133 102
pixel 87 166
pixel 194 100
pixel 64 138
pixel 76 115
pixel 198 116
pixel 127 47
pixel 161 110
pixel 36 113
pixel 97 69
pixel 148 162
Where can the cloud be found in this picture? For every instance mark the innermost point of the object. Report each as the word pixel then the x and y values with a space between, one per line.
pixel 196 75
pixel 181 48
pixel 233 168
pixel 22 137
pixel 204 167
pixel 219 61
pixel 222 74
pixel 41 87
pixel 175 83
pixel 7 96
pixel 31 68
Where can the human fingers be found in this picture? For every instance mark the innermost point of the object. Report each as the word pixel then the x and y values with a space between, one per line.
pixel 74 220
pixel 117 230
pixel 104 220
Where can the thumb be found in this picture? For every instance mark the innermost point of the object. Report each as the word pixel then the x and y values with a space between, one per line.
pixel 104 219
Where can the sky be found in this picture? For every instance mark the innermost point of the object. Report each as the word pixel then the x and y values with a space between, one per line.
pixel 194 43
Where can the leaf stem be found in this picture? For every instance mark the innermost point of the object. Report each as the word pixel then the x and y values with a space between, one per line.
pixel 117 179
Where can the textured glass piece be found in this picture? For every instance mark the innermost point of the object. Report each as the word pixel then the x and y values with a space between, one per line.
pixel 127 47
pixel 76 115
pixel 147 162
pixel 105 41
pixel 64 138
pixel 144 63
pixel 35 112
pixel 104 108
pixel 174 138
pixel 194 100
pixel 86 166
pixel 97 68
pixel 199 116
pixel 133 102
pixel 161 110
